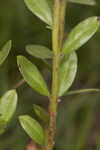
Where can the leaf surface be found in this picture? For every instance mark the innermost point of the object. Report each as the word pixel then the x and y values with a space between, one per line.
pixel 5 51
pixel 8 103
pixel 39 51
pixel 81 34
pixel 41 9
pixel 32 75
pixel 67 72
pixel 32 128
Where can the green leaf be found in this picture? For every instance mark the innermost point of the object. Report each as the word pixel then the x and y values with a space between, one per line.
pixel 32 128
pixel 81 34
pixel 8 103
pixel 39 51
pixel 41 9
pixel 85 2
pixel 67 72
pixel 41 113
pixel 5 51
pixel 32 75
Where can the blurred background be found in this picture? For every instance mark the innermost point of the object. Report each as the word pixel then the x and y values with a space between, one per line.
pixel 78 121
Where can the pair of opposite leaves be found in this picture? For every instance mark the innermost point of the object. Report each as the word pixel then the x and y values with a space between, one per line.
pixel 44 8
pixel 68 65
pixel 76 39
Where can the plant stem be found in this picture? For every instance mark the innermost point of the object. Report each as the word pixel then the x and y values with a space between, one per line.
pixel 21 82
pixel 54 96
pixel 57 38
pixel 62 21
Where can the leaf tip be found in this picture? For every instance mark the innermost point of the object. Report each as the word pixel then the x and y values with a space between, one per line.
pixel 34 106
pixel 27 48
pixel 9 45
pixel 10 42
pixel 21 117
pixel 19 58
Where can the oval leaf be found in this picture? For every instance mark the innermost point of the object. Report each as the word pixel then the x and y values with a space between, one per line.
pixel 81 34
pixel 67 72
pixel 5 51
pixel 85 2
pixel 41 9
pixel 32 75
pixel 32 128
pixel 41 113
pixel 39 51
pixel 8 103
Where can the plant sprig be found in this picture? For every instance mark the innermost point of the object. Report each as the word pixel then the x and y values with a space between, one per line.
pixel 64 68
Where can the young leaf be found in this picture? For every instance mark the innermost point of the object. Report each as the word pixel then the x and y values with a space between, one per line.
pixel 67 72
pixel 85 2
pixel 39 51
pixel 8 103
pixel 32 128
pixel 41 113
pixel 81 34
pixel 41 9
pixel 32 75
pixel 5 51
